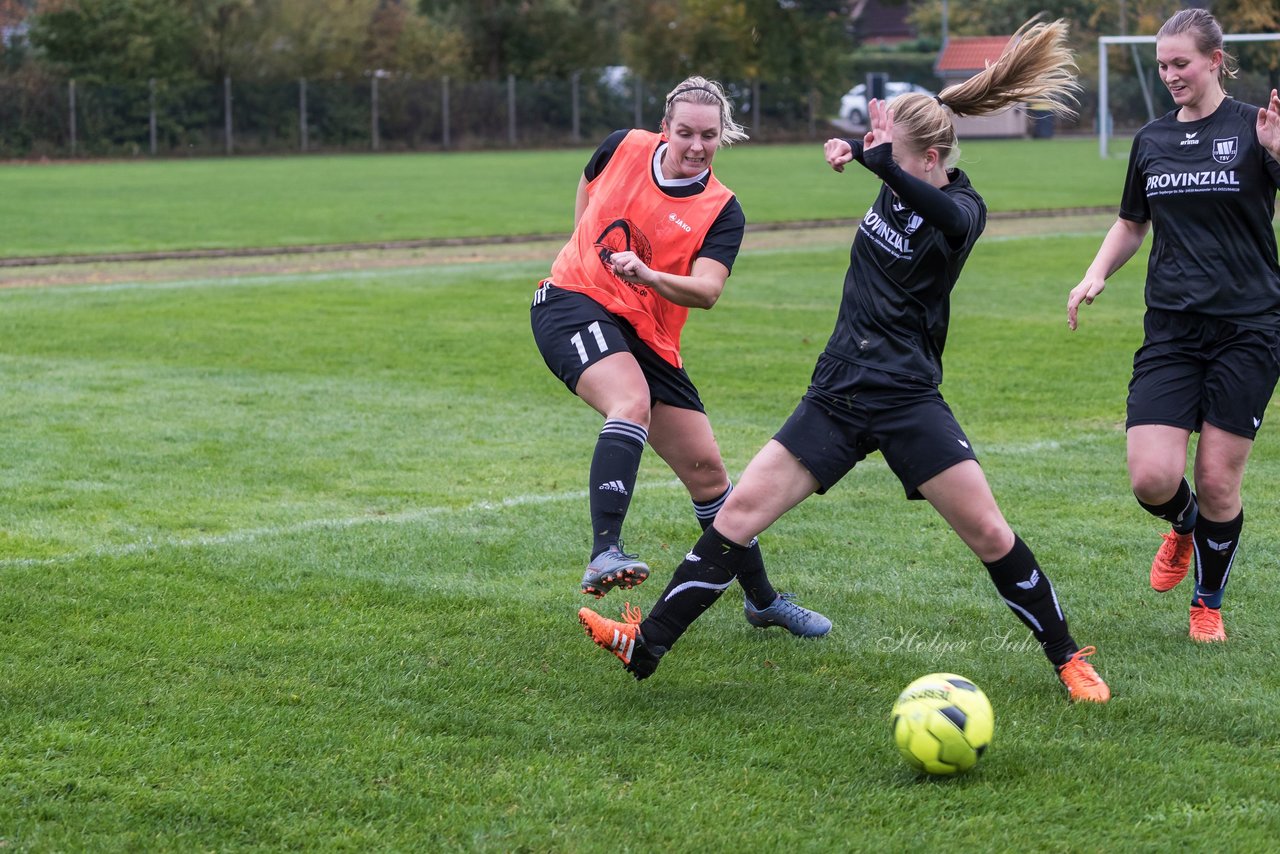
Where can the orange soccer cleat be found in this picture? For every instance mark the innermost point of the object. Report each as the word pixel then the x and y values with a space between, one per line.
pixel 1172 561
pixel 623 640
pixel 618 638
pixel 1084 685
pixel 1206 623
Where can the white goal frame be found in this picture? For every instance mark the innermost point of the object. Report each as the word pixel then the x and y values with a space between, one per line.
pixel 1104 41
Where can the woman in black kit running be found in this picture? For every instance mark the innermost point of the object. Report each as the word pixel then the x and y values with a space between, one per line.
pixel 876 385
pixel 1203 179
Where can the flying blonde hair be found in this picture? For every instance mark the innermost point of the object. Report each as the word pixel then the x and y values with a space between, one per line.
pixel 1037 65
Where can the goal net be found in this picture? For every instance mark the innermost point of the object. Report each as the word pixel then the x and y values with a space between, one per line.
pixel 1130 94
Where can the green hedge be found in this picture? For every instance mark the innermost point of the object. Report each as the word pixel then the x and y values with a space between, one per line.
pixel 911 66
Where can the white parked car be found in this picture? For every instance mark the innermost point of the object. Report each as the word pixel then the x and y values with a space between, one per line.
pixel 853 104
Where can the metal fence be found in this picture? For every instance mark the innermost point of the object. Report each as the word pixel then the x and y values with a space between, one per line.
pixel 40 117
pixel 76 118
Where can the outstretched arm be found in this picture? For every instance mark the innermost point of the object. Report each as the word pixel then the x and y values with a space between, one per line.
pixel 1121 242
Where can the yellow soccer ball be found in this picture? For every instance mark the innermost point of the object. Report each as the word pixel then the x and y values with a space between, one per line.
pixel 942 723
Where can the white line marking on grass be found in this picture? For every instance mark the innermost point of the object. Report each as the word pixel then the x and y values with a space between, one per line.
pixel 496 267
pixel 991 238
pixel 269 279
pixel 431 514
pixel 248 535
pixel 1009 238
pixel 1028 448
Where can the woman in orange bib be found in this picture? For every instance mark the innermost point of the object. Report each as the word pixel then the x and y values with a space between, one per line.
pixel 655 234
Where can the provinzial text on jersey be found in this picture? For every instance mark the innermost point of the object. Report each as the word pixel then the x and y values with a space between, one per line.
pixel 1207 178
pixel 876 225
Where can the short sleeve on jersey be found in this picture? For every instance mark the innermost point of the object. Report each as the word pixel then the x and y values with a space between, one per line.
pixel 724 238
pixel 1133 202
pixel 602 154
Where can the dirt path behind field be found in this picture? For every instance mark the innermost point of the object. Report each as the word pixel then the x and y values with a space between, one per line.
pixel 175 266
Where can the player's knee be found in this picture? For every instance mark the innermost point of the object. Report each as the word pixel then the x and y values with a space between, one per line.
pixel 990 538
pixel 744 502
pixel 1153 485
pixel 706 478
pixel 998 541
pixel 1217 491
pixel 633 408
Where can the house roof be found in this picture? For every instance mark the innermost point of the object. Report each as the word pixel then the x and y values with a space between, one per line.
pixel 12 14
pixel 970 54
pixel 878 22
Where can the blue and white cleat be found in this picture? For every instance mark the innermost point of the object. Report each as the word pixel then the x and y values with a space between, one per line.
pixel 613 568
pixel 784 612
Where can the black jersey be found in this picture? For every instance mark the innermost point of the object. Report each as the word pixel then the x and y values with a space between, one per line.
pixel 897 291
pixel 723 239
pixel 1209 190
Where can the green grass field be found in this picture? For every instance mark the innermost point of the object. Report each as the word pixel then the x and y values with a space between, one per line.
pixel 290 561
pixel 186 204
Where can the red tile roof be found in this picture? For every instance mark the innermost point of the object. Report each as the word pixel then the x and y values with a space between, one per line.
pixel 970 54
pixel 11 13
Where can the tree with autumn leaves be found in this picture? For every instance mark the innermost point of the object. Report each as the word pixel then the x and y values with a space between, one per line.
pixel 800 41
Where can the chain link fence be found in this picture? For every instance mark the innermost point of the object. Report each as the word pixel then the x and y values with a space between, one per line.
pixel 78 118
pixel 42 117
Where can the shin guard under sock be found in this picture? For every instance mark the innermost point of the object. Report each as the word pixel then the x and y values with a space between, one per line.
pixel 698 582
pixel 1181 511
pixel 755 580
pixel 613 478
pixel 752 575
pixel 1030 595
pixel 1216 544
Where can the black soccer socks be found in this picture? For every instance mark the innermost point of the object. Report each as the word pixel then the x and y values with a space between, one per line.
pixel 1028 592
pixel 752 575
pixel 704 574
pixel 706 510
pixel 613 478
pixel 1180 511
pixel 1216 544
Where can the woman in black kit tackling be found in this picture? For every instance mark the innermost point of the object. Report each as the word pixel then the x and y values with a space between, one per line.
pixel 876 385
pixel 1203 178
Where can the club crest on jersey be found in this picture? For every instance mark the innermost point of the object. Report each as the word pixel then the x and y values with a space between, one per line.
pixel 622 235
pixel 1225 150
pixel 913 222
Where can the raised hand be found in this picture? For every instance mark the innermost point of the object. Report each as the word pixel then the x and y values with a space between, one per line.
pixel 1269 125
pixel 881 120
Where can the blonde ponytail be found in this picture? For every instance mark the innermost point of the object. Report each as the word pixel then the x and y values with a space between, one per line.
pixel 1037 65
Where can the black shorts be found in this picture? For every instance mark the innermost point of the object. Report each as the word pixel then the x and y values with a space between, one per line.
pixel 850 411
pixel 573 332
pixel 1191 369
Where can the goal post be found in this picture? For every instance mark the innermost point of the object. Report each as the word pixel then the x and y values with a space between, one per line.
pixel 1104 41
